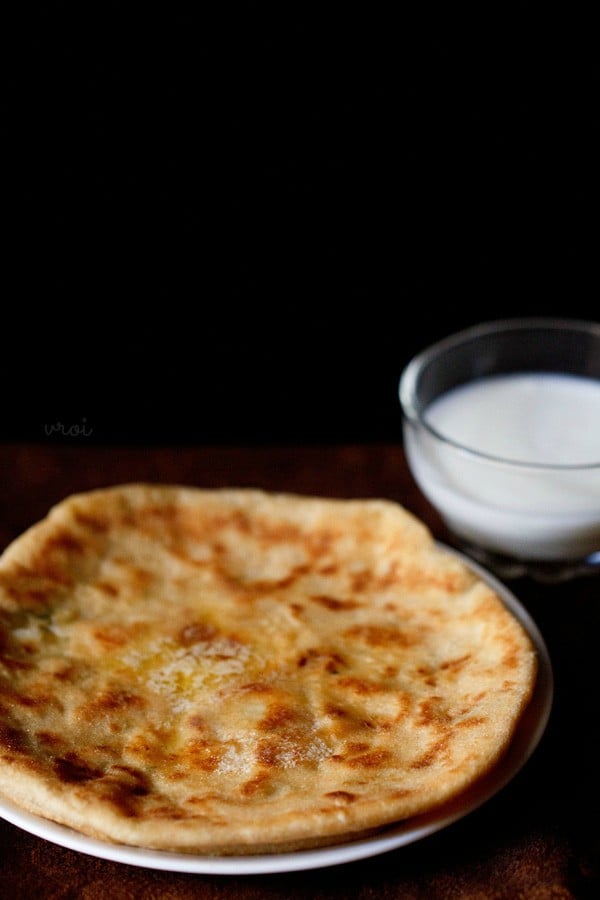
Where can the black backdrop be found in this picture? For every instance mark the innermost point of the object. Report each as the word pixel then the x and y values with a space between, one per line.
pixel 240 226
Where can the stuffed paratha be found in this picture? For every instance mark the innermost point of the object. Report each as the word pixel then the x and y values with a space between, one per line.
pixel 233 671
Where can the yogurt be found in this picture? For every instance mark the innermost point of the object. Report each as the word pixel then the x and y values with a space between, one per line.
pixel 512 462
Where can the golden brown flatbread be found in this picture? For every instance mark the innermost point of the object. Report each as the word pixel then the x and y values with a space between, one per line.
pixel 234 671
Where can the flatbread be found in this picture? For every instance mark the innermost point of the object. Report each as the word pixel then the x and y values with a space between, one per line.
pixel 233 671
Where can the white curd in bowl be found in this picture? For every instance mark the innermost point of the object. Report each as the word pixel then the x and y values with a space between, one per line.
pixel 512 462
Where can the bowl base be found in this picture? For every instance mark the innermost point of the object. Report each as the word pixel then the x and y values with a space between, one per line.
pixel 546 572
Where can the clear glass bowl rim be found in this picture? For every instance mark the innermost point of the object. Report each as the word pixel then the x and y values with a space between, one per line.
pixel 408 383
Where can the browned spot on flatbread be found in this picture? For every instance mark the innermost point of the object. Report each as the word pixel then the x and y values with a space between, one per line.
pixel 107 587
pixel 364 759
pixel 64 542
pixel 258 784
pixel 455 665
pixel 49 740
pixel 97 524
pixel 111 703
pixel 335 603
pixel 344 796
pixel 432 754
pixel 380 635
pixel 278 715
pixel 361 686
pixel 12 738
pixel 204 754
pixel 32 588
pixel 329 660
pixel 361 581
pixel 72 768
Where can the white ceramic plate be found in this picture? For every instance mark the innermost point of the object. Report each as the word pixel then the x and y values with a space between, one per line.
pixel 526 739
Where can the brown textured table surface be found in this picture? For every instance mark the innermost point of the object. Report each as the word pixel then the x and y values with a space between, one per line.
pixel 539 837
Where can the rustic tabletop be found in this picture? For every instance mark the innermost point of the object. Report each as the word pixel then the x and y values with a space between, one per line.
pixel 538 837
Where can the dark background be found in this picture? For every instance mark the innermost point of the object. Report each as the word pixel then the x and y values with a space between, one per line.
pixel 239 226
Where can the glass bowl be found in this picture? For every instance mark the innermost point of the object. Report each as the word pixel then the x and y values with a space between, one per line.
pixel 524 501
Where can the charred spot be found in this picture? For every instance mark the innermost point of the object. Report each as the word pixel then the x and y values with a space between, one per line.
pixel 116 699
pixel 107 588
pixel 28 596
pixel 38 697
pixel 68 672
pixel 344 796
pixel 12 739
pixel 337 711
pixel 30 701
pixel 52 570
pixel 334 664
pixel 49 739
pixel 71 769
pixel 334 603
pixel 353 722
pixel 132 780
pixel 65 542
pixel 123 787
pixel 428 676
pixel 173 814
pixel 331 661
pixel 15 665
pixel 328 569
pixel 93 523
pixel 54 555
